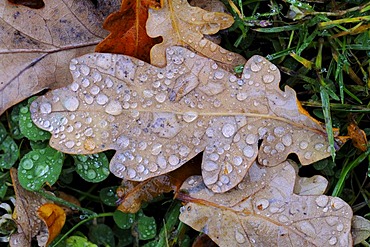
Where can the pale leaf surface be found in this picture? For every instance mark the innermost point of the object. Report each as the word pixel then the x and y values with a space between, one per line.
pixel 178 23
pixel 159 118
pixel 360 229
pixel 263 211
pixel 36 45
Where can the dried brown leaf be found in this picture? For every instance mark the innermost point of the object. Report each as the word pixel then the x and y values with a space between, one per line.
pixel 159 118
pixel 54 218
pixel 25 216
pixel 263 211
pixel 178 23
pixel 36 45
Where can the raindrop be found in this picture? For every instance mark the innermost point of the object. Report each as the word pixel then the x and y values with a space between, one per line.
pixel 161 97
pixel 114 108
pixel 71 103
pixel 88 132
pixel 102 99
pixel 209 165
pixel 333 240
pixel 219 75
pixel 228 130
pixel 237 160
pixel 89 99
pixel 303 144
pixel 279 131
pixel 268 78
pixel 280 147
pixel 85 70
pixel 322 201
pixel 287 140
pixel 241 96
pixel 41 170
pixel 69 144
pixel 27 164
pixel 85 82
pixel 35 157
pixel 319 146
pixel 337 203
pixel 161 161
pixel 123 141
pixel 173 160
pixel 91 174
pixel 224 179
pixel 233 78
pixel 190 116
pixel 94 90
pixel 255 67
pixel 251 139
pixel 308 155
pixel 45 108
pixel 262 204
pixel 131 173
pixel 156 148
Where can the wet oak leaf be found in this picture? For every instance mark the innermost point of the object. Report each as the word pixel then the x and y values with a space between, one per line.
pixel 54 218
pixel 159 118
pixel 263 211
pixel 127 30
pixel 25 215
pixel 178 23
pixel 36 45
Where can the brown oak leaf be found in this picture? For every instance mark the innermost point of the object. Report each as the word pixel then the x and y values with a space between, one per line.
pixel 263 211
pixel 36 45
pixel 181 24
pixel 159 118
pixel 127 30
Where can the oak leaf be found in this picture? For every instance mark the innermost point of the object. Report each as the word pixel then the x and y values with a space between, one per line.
pixel 159 118
pixel 36 45
pixel 127 26
pixel 263 211
pixel 25 215
pixel 181 24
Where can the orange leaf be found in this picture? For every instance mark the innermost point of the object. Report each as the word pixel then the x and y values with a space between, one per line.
pixel 54 217
pixel 127 26
pixel 358 136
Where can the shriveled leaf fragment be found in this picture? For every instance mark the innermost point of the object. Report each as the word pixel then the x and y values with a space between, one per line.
pixel 36 45
pixel 360 229
pixel 54 218
pixel 127 30
pixel 25 215
pixel 92 168
pixel 178 23
pixel 40 167
pixel 263 211
pixel 358 136
pixel 133 194
pixel 159 118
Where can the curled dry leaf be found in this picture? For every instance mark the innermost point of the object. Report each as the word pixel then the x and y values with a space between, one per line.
pixel 25 216
pixel 358 136
pixel 181 24
pixel 36 45
pixel 54 218
pixel 263 211
pixel 127 26
pixel 159 118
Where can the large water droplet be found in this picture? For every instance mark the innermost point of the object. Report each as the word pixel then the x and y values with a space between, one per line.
pixel 156 148
pixel 239 237
pixel 333 240
pixel 114 108
pixel 262 204
pixel 237 160
pixel 45 108
pixel 251 139
pixel 248 151
pixel 228 130
pixel 190 116
pixel 303 144
pixel 27 164
pixel 209 165
pixel 71 103
pixel 131 173
pixel 268 78
pixel 287 140
pixel 102 99
pixel 91 174
pixel 41 170
pixel 123 141
pixel 69 144
pixel 322 201
pixel 173 160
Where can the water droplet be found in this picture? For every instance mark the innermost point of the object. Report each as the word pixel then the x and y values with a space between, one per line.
pixel 71 103
pixel 233 78
pixel 85 82
pixel 148 93
pixel 239 237
pixel 123 141
pixel 35 157
pixel 273 67
pixel 209 165
pixel 88 132
pixel 114 108
pixel 303 144
pixel 322 201
pixel 287 140
pixel 190 116
pixel 248 151
pixel 340 227
pixel 202 43
pixel 228 130
pixel 161 97
pixel 131 173
pixel 156 148
pixel 91 174
pixel 251 139
pixel 333 240
pixel 242 96
pixel 41 170
pixel 337 203
pixel 255 67
pixel 85 70
pixel 262 204
pixel 319 146
pixel 69 144
pixel 102 99
pixel 108 82
pixel 89 99
pixel 173 160
pixel 94 90
pixel 280 147
pixel 219 75
pixel 27 164
pixel 184 151
pixel 308 155
pixel 45 108
pixel 279 131
pixel 237 160
pixel 89 144
pixel 268 78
